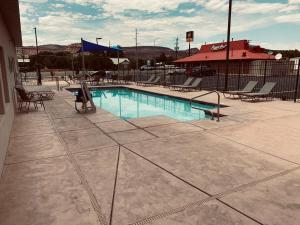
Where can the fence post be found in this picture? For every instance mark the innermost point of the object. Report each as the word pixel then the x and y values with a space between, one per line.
pixel 218 78
pixel 57 83
pixel 297 82
pixel 239 76
pixel 265 71
pixel 164 73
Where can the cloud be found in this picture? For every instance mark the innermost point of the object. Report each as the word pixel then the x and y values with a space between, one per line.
pixel 58 5
pixel 252 7
pixel 34 1
pixel 67 21
pixel 291 18
pixel 294 1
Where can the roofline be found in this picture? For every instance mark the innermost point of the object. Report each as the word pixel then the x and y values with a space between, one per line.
pixel 10 13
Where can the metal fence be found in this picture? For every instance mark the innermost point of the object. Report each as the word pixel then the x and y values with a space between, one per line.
pixel 284 73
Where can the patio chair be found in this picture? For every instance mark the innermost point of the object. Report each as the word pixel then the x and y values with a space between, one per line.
pixel 28 98
pixel 187 82
pixel 247 89
pixel 84 97
pixel 151 78
pixel 264 92
pixel 156 81
pixel 194 86
pixel 44 91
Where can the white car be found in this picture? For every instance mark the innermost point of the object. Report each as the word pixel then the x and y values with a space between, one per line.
pixel 146 67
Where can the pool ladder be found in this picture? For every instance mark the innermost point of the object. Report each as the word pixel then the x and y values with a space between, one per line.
pixel 206 110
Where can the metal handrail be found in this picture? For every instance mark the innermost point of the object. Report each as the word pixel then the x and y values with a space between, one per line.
pixel 218 106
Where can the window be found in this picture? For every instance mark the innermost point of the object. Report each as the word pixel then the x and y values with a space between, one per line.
pixel 4 75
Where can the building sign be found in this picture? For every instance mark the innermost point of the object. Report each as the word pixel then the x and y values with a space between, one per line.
pixel 218 47
pixel 189 36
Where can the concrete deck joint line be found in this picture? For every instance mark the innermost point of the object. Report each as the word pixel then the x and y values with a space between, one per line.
pixel 115 186
pixel 255 220
pixel 101 217
pixel 141 128
pixel 174 211
pixel 215 197
pixel 250 147
pixel 32 160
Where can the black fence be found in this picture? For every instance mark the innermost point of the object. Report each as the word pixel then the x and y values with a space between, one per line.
pixel 284 73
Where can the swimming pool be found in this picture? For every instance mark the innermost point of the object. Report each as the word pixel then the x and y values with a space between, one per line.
pixel 128 104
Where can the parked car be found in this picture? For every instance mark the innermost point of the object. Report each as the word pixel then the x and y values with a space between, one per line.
pixel 146 67
pixel 177 70
pixel 202 71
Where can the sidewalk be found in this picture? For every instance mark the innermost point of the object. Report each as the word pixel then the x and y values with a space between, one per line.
pixel 66 168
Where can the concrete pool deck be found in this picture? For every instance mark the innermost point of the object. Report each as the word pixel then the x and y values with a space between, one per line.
pixel 66 168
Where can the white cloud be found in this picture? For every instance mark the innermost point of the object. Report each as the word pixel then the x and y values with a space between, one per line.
pixel 281 45
pixel 63 27
pixel 252 7
pixel 294 1
pixel 83 2
pixel 290 18
pixel 58 5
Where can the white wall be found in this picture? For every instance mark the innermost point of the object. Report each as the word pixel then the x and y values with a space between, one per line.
pixel 6 119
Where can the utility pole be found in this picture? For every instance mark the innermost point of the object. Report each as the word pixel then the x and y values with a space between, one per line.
pixel 38 69
pixel 228 45
pixel 176 48
pixel 136 50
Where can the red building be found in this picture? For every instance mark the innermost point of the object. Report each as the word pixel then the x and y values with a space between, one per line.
pixel 214 55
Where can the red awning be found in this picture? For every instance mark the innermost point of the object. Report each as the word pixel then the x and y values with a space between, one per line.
pixel 221 56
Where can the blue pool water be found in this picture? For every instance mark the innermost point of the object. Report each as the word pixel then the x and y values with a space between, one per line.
pixel 127 104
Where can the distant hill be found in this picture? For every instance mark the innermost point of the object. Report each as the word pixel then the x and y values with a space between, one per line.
pixel 144 52
pixel 149 52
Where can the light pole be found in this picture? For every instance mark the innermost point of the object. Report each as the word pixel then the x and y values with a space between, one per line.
pixel 154 61
pixel 228 45
pixel 38 71
pixel 97 40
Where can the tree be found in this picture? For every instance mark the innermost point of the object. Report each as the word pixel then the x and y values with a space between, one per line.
pixel 161 58
pixel 288 53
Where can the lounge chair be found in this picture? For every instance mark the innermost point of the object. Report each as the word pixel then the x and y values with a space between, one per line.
pixel 96 77
pixel 187 82
pixel 247 89
pixel 195 85
pixel 264 92
pixel 156 81
pixel 151 78
pixel 28 98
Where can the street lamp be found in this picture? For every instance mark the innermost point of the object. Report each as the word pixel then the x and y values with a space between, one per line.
pixel 38 71
pixel 228 45
pixel 154 61
pixel 98 39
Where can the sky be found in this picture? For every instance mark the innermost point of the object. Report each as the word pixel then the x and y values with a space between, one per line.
pixel 274 24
